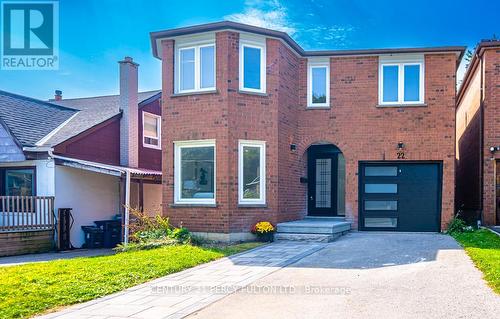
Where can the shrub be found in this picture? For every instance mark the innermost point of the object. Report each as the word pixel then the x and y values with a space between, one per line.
pixel 151 232
pixel 458 225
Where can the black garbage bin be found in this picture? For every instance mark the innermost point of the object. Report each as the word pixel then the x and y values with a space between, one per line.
pixel 94 236
pixel 112 232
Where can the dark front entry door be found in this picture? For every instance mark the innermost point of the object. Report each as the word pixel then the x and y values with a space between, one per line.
pixel 322 180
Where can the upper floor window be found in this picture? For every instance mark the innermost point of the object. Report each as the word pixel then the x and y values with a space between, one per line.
pixel 318 84
pixel 252 66
pixel 196 68
pixel 151 130
pixel 401 81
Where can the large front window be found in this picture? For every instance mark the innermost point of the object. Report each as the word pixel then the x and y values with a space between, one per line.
pixel 252 67
pixel 196 68
pixel 401 81
pixel 195 172
pixel 252 172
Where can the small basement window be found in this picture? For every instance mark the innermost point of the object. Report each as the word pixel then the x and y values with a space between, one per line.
pixel 151 130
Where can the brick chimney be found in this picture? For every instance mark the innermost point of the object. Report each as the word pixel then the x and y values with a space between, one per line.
pixel 129 139
pixel 57 95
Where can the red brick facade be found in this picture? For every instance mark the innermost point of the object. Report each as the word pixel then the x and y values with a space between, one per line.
pixel 354 123
pixel 478 129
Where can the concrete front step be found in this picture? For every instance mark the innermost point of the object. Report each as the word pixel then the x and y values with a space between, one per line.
pixel 313 227
pixel 324 238
pixel 319 229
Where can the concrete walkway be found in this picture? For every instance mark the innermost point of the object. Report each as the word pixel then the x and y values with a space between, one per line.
pixel 32 258
pixel 370 275
pixel 178 295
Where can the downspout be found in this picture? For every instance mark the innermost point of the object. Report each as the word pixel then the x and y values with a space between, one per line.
pixel 127 186
pixel 481 140
pixel 127 205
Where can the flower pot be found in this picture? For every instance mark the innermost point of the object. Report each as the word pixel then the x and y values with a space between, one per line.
pixel 266 237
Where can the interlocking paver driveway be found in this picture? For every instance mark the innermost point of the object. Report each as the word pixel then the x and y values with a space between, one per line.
pixel 179 294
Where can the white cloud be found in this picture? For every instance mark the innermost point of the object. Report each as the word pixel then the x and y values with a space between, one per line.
pixel 269 14
pixel 331 35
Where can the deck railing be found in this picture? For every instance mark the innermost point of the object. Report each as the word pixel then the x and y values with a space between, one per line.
pixel 18 213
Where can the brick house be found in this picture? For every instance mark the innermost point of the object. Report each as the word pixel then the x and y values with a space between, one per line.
pixel 260 129
pixel 478 137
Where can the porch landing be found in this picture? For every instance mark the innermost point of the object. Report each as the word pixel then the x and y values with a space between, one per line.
pixel 320 229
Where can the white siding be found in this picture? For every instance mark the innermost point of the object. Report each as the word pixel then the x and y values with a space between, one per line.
pixel 92 196
pixel 45 177
pixel 9 150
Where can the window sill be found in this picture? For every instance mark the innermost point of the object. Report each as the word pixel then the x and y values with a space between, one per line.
pixel 323 107
pixel 402 105
pixel 153 147
pixel 195 93
pixel 252 93
pixel 186 205
pixel 250 205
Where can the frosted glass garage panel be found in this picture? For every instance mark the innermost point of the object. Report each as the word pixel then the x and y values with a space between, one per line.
pixel 381 171
pixel 381 188
pixel 381 205
pixel 381 222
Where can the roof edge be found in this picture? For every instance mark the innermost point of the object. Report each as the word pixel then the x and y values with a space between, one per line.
pixel 481 47
pixel 27 98
pixel 224 25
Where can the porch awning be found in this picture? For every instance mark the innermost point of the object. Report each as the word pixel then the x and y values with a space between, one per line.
pixel 119 171
pixel 105 168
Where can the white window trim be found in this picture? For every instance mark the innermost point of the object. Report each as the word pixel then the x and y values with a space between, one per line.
pixel 262 146
pixel 178 145
pixel 262 48
pixel 158 129
pixel 310 67
pixel 197 67
pixel 401 62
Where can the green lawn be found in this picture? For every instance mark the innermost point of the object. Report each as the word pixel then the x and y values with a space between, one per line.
pixel 483 248
pixel 33 288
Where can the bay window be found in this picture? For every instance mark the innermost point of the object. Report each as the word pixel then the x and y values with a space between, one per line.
pixel 196 68
pixel 252 66
pixel 252 172
pixel 194 170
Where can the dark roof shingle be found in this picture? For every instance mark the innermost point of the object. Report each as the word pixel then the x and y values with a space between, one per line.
pixel 93 110
pixel 30 120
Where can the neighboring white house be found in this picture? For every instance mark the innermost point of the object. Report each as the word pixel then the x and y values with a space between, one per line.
pixel 93 155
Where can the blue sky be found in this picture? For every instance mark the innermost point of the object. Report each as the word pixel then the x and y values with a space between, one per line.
pixel 95 34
